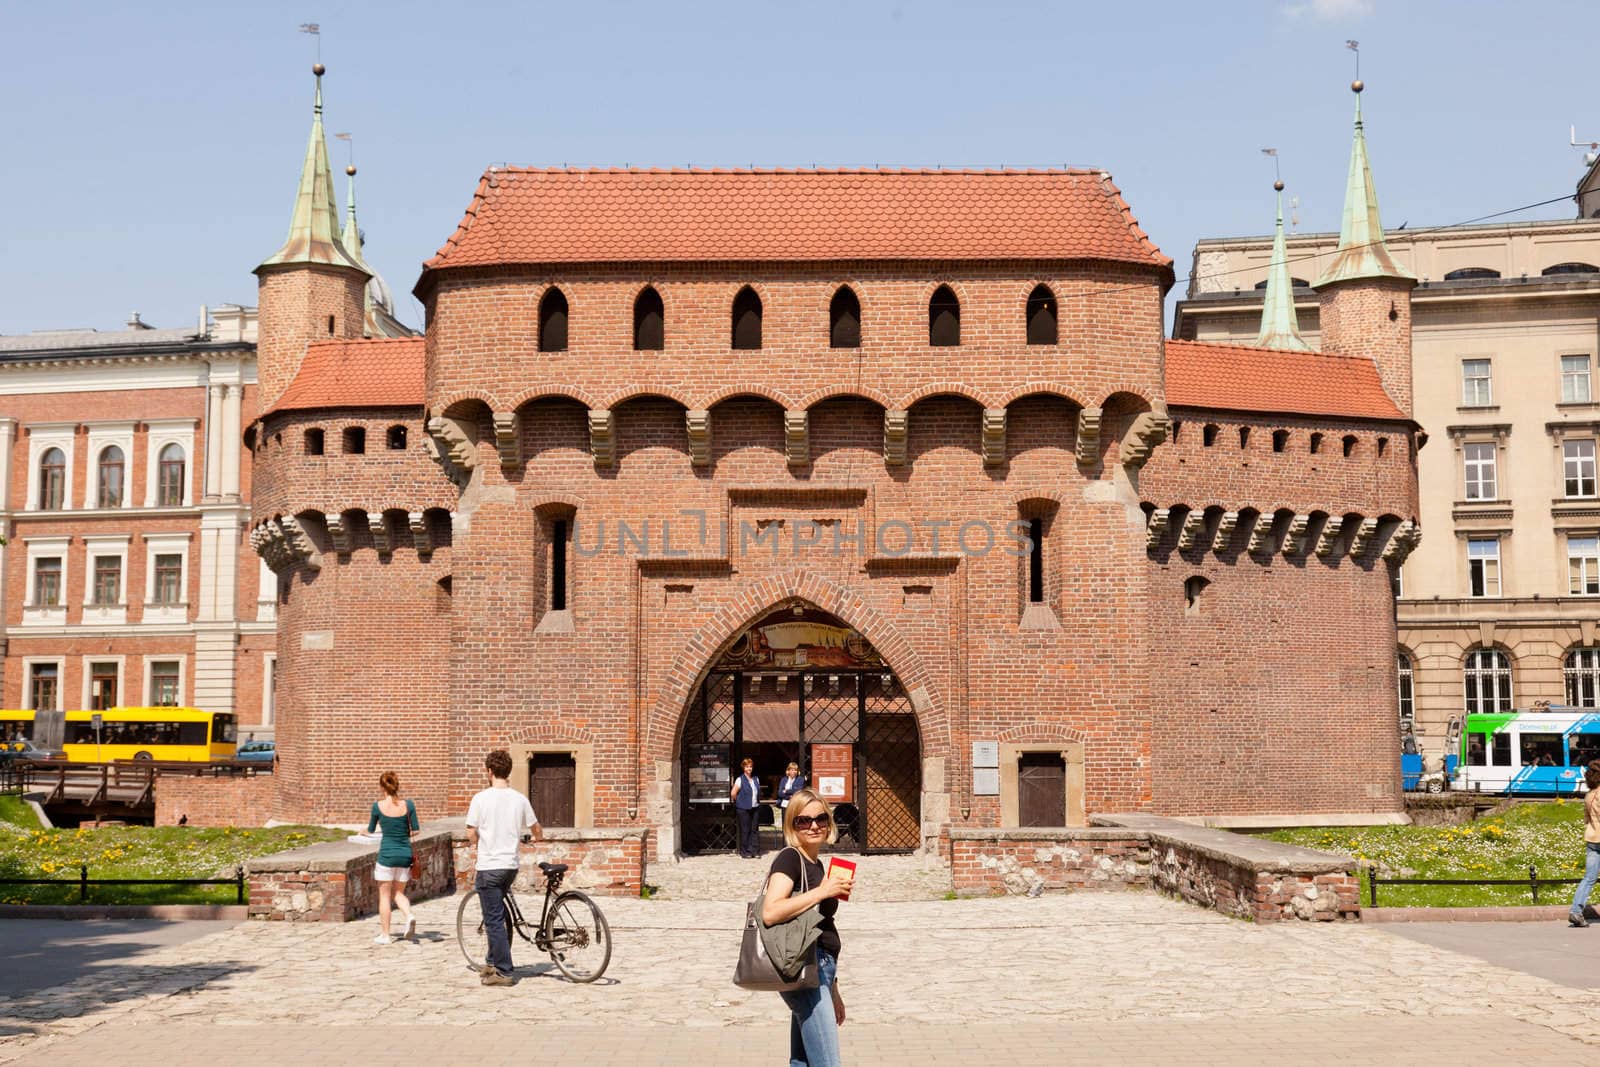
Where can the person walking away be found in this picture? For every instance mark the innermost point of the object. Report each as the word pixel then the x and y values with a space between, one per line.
pixel 1591 844
pixel 397 819
pixel 746 797
pixel 790 784
pixel 815 1015
pixel 496 821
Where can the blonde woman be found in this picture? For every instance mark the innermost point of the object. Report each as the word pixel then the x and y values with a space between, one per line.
pixel 398 820
pixel 815 1015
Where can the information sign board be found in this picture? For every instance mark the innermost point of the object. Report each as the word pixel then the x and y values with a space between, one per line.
pixel 833 773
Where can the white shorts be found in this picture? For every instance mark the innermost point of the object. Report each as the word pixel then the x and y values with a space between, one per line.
pixel 392 874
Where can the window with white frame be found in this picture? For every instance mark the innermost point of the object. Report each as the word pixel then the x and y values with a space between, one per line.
pixel 168 470
pixel 1574 379
pixel 1577 467
pixel 1582 670
pixel 269 688
pixel 110 469
pixel 1476 389
pixel 47 578
pixel 44 685
pixel 110 449
pixel 104 679
pixel 1583 566
pixel 1483 566
pixel 1487 676
pixel 105 592
pixel 166 683
pixel 50 466
pixel 107 585
pixel 52 480
pixel 166 578
pixel 1407 687
pixel 45 600
pixel 1479 460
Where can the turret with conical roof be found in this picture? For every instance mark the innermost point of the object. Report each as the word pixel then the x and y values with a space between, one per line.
pixel 1365 293
pixel 1279 326
pixel 312 288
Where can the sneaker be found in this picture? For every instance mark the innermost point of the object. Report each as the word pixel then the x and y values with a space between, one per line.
pixel 1577 919
pixel 496 978
pixel 485 969
pixel 383 939
pixel 411 928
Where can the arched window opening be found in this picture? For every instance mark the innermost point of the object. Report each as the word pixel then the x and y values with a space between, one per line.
pixel 944 318
pixel 1383 445
pixel 1467 274
pixel 1176 426
pixel 1208 436
pixel 844 319
pixel 313 442
pixel 1349 444
pixel 649 321
pixel 553 321
pixel 170 476
pixel 52 479
pixel 1280 440
pixel 108 491
pixel 1487 677
pixel 747 320
pixel 1582 670
pixel 331 322
pixel 1407 687
pixel 1571 268
pixel 1042 316
pixel 1316 443
pixel 1193 590
pixel 1298 283
pixel 1244 437
pixel 397 438
pixel 355 440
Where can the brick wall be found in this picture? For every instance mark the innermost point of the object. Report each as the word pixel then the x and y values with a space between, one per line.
pixel 1371 317
pixel 332 881
pixel 1015 861
pixel 608 863
pixel 214 801
pixel 296 303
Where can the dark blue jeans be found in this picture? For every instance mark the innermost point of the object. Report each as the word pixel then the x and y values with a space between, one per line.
pixel 491 886
pixel 749 832
pixel 1591 872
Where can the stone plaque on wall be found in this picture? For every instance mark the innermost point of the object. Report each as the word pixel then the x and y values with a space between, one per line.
pixel 986 781
pixel 985 753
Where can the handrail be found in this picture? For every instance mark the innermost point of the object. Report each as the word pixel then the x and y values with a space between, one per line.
pixel 1532 882
pixel 83 882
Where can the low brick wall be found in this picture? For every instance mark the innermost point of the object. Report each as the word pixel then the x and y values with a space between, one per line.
pixel 332 881
pixel 213 800
pixel 1021 861
pixel 601 861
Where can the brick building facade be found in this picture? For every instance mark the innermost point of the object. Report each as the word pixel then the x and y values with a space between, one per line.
pixel 867 469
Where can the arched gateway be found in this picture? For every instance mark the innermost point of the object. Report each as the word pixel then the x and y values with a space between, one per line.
pixel 799 685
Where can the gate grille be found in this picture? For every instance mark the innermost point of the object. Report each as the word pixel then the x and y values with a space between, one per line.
pixel 893 773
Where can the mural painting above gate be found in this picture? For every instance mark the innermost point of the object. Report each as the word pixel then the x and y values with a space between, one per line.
pixel 799 637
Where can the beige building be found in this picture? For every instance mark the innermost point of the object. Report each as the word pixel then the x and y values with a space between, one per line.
pixel 1499 607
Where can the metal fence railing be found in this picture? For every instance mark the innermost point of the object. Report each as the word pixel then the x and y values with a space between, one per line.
pixel 83 882
pixel 1531 883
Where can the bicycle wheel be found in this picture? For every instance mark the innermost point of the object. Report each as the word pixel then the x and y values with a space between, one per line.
pixel 578 937
pixel 471 934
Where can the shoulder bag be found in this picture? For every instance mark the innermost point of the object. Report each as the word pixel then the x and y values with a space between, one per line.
pixel 756 969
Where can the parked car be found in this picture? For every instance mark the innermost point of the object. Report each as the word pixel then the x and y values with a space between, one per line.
pixel 257 752
pixel 22 749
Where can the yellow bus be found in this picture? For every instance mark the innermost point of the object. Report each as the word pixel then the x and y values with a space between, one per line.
pixel 184 734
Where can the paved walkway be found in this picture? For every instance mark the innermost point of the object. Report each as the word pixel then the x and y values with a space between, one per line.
pixel 38 953
pixel 1550 949
pixel 1110 977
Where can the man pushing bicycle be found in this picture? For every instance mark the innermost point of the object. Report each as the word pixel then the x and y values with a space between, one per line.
pixel 497 819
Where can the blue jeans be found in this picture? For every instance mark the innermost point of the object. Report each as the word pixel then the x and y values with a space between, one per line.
pixel 1591 873
pixel 749 831
pixel 813 1030
pixel 491 886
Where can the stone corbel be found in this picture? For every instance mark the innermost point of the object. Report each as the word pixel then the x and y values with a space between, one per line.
pixel 1363 538
pixel 1156 526
pixel 1088 436
pixel 339 534
pixel 1405 538
pixel 454 447
pixel 1148 431
pixel 1261 534
pixel 994 436
pixel 699 424
pixel 378 526
pixel 602 437
pixel 298 545
pixel 796 438
pixel 1299 530
pixel 895 427
pixel 421 533
pixel 1194 527
pixel 1225 528
pixel 507 434
pixel 1329 536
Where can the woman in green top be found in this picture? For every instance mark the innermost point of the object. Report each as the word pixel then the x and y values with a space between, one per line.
pixel 398 819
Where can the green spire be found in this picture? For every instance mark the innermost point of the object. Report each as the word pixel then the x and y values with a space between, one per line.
pixel 1279 326
pixel 1362 253
pixel 314 226
pixel 351 237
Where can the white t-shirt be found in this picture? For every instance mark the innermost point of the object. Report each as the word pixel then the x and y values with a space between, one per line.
pixel 500 815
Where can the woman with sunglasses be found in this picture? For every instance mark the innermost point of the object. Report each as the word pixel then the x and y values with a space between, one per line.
pixel 815 1014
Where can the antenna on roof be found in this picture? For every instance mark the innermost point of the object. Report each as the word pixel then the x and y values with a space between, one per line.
pixel 314 30
pixel 1590 157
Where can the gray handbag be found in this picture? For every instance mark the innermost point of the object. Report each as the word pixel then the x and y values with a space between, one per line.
pixel 756 968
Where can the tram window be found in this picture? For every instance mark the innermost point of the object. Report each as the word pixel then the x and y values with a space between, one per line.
pixel 1476 751
pixel 1540 750
pixel 1500 754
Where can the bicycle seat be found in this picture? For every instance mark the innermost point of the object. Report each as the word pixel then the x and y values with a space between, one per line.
pixel 553 868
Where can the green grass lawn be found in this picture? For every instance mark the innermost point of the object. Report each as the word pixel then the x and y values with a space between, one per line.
pixel 1548 836
pixel 15 811
pixel 26 851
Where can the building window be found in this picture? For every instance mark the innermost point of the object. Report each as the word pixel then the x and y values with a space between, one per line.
pixel 170 477
pixel 1193 590
pixel 1036 561
pixel 396 438
pixel 553 321
pixel 1483 566
pixel 109 471
pixel 558 565
pixel 1583 566
pixel 747 320
pixel 164 675
pixel 1470 274
pixel 355 440
pixel 1316 443
pixel 1041 316
pixel 844 319
pixel 1476 391
pixel 1577 463
pixel 102 686
pixel 1479 459
pixel 1574 379
pixel 1244 437
pixel 1208 436
pixel 1383 446
pixel 1570 268
pixel 1582 672
pixel 944 318
pixel 1349 444
pixel 313 442
pixel 1407 687
pixel 1280 440
pixel 52 480
pixel 1488 681
pixel 47 582
pixel 107 580
pixel 649 321
pixel 169 578
pixel 44 687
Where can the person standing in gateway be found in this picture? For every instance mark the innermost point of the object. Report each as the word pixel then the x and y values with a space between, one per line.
pixel 496 821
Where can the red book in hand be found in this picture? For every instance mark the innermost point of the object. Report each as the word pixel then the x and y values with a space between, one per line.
pixel 842 864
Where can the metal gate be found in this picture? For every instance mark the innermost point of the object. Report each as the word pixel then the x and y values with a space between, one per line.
pixel 867 710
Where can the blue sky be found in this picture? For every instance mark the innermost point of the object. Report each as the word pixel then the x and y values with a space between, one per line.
pixel 150 157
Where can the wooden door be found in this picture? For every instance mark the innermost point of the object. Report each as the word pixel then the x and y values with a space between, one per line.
pixel 552 788
pixel 1041 789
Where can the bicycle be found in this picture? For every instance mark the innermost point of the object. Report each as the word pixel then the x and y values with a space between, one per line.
pixel 571 928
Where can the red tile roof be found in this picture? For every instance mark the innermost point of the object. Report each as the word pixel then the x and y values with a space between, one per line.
pixel 1237 378
pixel 521 215
pixel 378 373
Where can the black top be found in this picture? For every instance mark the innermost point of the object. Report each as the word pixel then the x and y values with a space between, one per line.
pixel 787 862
